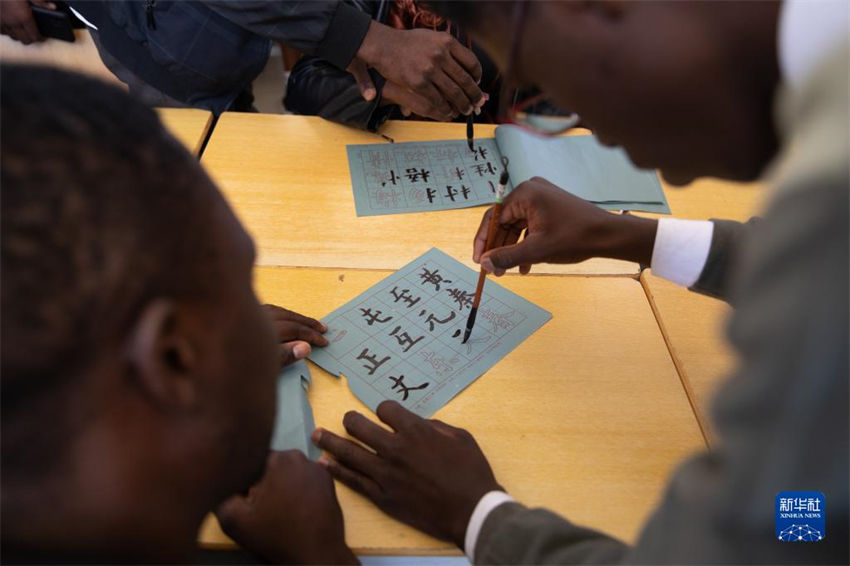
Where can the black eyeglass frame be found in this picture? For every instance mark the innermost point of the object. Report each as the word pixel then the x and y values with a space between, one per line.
pixel 507 112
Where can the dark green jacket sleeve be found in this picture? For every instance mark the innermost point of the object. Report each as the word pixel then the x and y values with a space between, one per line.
pixel 725 245
pixel 515 534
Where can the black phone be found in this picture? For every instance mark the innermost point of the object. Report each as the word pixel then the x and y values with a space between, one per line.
pixel 53 23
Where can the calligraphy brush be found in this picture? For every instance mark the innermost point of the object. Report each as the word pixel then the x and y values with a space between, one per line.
pixel 491 234
pixel 469 119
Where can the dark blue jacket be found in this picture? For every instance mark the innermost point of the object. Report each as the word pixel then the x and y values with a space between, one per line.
pixel 204 53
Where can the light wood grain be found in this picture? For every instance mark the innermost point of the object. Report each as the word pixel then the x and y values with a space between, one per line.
pixel 80 56
pixel 713 198
pixel 189 125
pixel 587 417
pixel 694 327
pixel 287 178
pixel 693 324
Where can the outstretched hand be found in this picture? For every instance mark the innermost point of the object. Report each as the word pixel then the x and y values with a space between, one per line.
pixel 422 472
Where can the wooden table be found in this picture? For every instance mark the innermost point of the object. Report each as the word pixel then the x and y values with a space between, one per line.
pixel 287 178
pixel 81 56
pixel 189 125
pixel 713 198
pixel 694 325
pixel 587 417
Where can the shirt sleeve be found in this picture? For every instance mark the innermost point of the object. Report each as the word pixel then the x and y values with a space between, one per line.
pixel 681 249
pixel 485 505
pixel 345 33
pixel 332 30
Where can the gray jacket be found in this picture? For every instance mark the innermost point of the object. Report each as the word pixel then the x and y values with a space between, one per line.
pixel 782 417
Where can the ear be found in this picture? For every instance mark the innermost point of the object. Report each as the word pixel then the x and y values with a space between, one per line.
pixel 162 357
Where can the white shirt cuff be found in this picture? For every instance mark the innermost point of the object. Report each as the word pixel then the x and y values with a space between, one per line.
pixel 490 501
pixel 681 249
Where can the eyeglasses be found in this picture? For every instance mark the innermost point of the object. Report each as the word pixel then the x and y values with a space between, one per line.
pixel 534 112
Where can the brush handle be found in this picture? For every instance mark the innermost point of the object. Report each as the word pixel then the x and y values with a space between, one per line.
pixel 491 235
pixel 491 229
pixel 479 288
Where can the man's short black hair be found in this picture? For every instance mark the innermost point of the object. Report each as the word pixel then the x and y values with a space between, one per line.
pixel 102 210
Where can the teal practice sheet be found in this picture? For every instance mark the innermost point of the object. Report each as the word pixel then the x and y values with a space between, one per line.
pixel 401 339
pixel 294 421
pixel 439 175
pixel 423 176
pixel 584 167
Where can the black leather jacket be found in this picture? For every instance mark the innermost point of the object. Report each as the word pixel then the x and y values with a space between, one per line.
pixel 317 88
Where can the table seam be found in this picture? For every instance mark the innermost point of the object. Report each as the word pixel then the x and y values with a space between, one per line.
pixel 683 379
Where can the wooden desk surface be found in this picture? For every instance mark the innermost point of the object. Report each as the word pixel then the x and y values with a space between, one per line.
pixel 713 198
pixel 693 324
pixel 189 125
pixel 287 178
pixel 81 56
pixel 587 417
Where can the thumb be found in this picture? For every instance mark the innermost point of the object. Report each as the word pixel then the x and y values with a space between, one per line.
pixel 358 70
pixel 291 352
pixel 499 260
pixel 231 514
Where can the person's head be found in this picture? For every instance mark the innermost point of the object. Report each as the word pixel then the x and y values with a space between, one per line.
pixel 132 342
pixel 682 86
